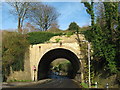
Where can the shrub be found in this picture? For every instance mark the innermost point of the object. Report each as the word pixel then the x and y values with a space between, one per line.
pixel 118 77
pixel 58 40
pixel 84 85
pixel 40 37
pixel 69 34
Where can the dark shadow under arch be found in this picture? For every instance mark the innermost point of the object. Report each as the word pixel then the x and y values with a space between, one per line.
pixel 51 55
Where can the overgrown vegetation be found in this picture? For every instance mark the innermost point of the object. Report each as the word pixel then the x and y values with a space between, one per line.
pixel 104 36
pixel 14 46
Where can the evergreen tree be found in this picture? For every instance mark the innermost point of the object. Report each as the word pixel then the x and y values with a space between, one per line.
pixel 105 39
pixel 90 11
pixel 73 26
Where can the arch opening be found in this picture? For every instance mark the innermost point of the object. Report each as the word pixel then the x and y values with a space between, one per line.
pixel 50 56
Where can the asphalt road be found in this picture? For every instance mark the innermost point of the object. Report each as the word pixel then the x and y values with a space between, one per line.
pixel 54 83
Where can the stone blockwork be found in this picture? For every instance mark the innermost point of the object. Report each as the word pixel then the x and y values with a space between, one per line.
pixel 37 51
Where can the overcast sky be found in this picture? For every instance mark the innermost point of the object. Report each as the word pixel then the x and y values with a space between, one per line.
pixel 70 12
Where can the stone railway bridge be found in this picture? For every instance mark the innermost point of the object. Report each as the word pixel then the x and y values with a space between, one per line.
pixel 41 55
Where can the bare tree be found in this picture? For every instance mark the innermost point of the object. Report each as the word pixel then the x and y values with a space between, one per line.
pixel 28 28
pixel 43 15
pixel 55 25
pixel 20 10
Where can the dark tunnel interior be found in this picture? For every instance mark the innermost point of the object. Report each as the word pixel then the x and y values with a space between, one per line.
pixel 51 55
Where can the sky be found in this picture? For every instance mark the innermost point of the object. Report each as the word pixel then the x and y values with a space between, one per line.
pixel 69 12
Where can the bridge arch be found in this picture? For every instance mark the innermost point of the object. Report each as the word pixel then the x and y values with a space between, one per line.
pixel 52 54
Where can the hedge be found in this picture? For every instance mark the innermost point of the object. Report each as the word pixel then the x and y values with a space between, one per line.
pixel 40 37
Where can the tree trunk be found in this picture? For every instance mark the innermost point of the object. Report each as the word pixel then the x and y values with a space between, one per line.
pixel 92 14
pixel 19 25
